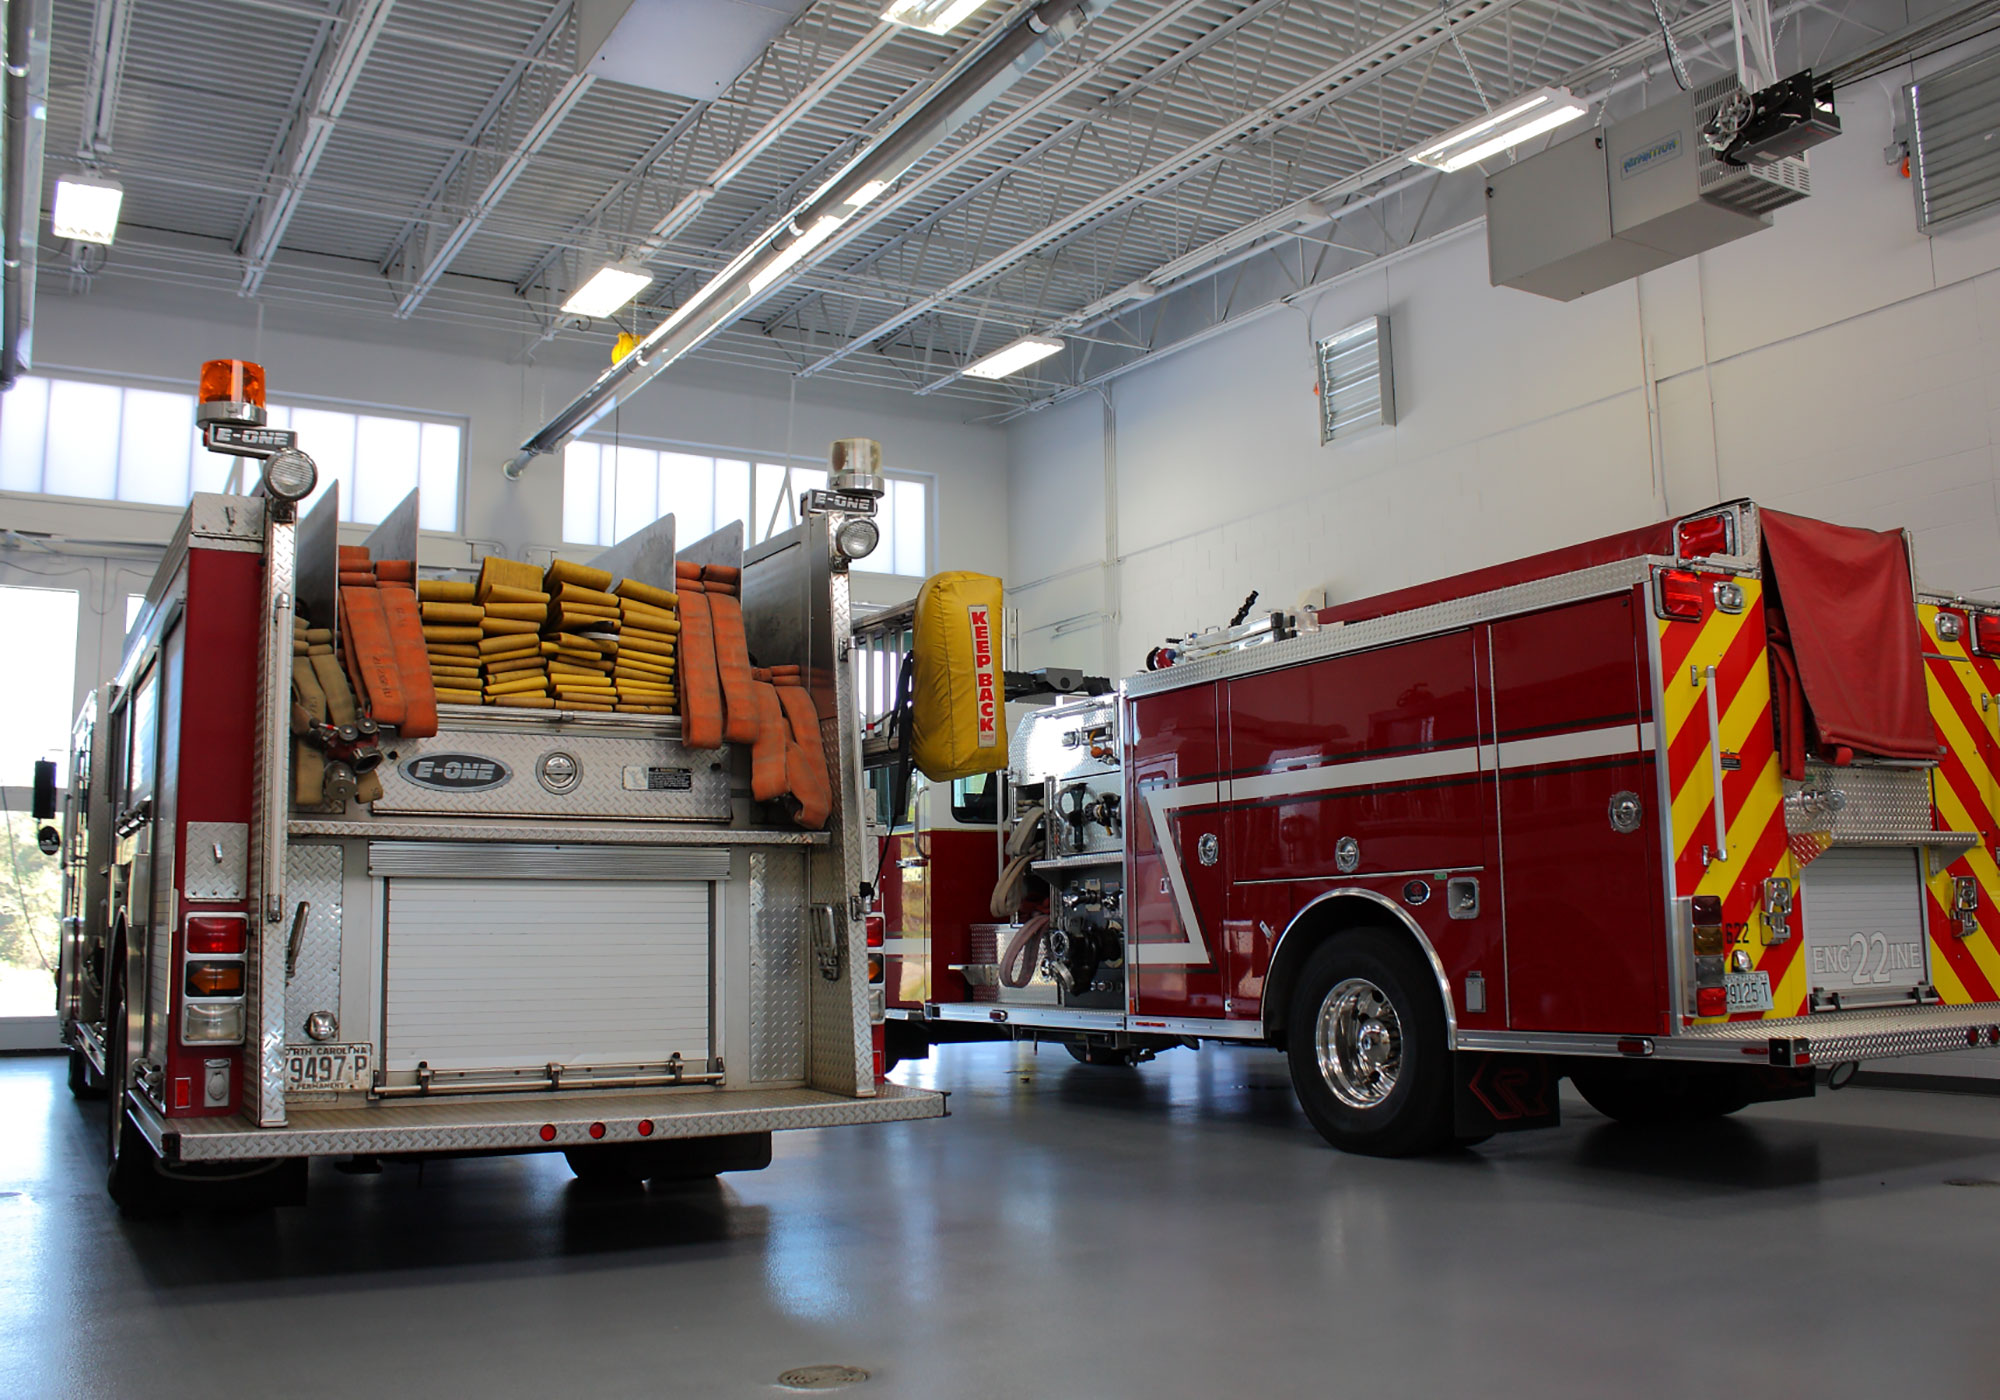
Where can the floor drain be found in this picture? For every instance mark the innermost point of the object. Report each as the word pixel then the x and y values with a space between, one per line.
pixel 1970 1181
pixel 821 1377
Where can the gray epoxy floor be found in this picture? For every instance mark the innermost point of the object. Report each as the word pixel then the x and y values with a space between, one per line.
pixel 1068 1232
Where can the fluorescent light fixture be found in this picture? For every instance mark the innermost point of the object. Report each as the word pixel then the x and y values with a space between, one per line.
pixel 931 16
pixel 867 193
pixel 1525 117
pixel 609 288
pixel 87 208
pixel 1010 359
pixel 792 253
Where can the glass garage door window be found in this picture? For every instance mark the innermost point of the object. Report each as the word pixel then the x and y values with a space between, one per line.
pixel 41 624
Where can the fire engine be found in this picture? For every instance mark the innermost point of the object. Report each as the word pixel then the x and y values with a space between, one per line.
pixel 329 894
pixel 1684 815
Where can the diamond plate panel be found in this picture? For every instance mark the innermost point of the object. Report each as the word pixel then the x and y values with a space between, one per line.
pixel 1837 1037
pixel 271 785
pixel 777 966
pixel 516 1122
pixel 600 791
pixel 440 829
pixel 1860 804
pixel 313 874
pixel 218 861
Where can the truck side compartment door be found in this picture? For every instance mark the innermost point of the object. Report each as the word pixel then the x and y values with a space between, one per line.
pixel 1175 853
pixel 1580 875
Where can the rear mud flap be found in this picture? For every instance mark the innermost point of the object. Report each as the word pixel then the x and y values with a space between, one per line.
pixel 1503 1093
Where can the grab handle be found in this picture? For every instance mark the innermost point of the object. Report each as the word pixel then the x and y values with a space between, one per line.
pixel 1715 766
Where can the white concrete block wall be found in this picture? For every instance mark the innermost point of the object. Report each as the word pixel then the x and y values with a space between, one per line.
pixel 1840 364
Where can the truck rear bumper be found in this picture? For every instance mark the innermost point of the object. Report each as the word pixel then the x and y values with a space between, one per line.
pixel 1828 1038
pixel 524 1124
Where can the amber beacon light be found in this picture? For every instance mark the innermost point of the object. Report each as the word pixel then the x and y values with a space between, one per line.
pixel 232 391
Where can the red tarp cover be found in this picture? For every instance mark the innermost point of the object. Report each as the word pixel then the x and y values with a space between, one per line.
pixel 1853 634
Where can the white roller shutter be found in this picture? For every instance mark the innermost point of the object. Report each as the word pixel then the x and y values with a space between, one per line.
pixel 1864 923
pixel 505 974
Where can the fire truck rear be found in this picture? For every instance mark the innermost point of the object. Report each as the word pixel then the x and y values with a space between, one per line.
pixel 1682 815
pixel 551 925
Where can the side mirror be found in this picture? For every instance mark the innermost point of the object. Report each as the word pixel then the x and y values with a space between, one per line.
pixel 45 790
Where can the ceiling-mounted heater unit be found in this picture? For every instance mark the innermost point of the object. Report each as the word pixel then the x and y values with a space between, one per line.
pixel 1955 142
pixel 1605 206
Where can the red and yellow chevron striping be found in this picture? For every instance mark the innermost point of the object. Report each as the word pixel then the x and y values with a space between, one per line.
pixel 1752 790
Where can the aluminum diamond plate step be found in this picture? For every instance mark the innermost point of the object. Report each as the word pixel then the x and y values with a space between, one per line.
pixel 1835 1037
pixel 516 1124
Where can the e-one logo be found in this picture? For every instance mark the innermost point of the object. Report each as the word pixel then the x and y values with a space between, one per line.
pixel 1665 148
pixel 456 772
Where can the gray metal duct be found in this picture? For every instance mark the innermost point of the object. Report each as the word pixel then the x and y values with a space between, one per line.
pixel 785 248
pixel 27 106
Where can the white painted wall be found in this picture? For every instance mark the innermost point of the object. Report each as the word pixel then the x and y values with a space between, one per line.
pixel 1840 365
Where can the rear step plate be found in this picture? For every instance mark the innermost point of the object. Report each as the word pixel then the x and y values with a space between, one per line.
pixel 1835 1037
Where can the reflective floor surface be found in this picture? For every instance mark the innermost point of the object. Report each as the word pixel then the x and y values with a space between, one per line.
pixel 1069 1231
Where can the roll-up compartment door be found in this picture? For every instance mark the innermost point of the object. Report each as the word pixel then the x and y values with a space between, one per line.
pixel 511 973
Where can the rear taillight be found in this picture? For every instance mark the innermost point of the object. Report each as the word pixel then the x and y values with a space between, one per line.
pixel 1708 535
pixel 1680 595
pixel 1986 633
pixel 209 936
pixel 1711 993
pixel 215 979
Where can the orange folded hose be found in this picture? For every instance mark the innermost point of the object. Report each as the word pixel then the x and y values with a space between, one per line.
pixel 732 666
pixel 724 574
pixel 806 756
pixel 354 556
pixel 684 569
pixel 356 578
pixel 372 654
pixel 701 687
pixel 413 670
pixel 768 769
pixel 396 570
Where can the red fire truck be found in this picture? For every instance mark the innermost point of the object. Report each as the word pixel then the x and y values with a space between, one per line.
pixel 507 929
pixel 1682 814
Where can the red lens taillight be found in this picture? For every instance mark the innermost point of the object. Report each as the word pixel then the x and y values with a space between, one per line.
pixel 1711 1001
pixel 1708 535
pixel 214 936
pixel 1986 634
pixel 1680 595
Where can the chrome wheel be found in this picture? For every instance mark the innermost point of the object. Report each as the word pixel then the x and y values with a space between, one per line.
pixel 1358 1041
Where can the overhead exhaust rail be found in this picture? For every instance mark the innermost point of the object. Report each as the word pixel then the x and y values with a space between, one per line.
pixel 789 244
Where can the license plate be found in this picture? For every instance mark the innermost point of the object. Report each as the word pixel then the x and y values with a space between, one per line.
pixel 1748 991
pixel 323 1068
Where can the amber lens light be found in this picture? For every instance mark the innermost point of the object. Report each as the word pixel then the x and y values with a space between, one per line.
pixel 215 979
pixel 208 936
pixel 232 381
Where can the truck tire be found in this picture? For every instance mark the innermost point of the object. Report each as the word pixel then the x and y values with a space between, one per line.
pixel 1643 1094
pixel 131 1174
pixel 1367 1046
pixel 84 1081
pixel 625 1164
